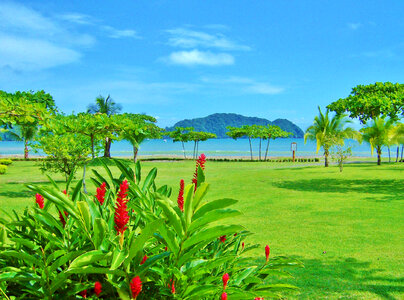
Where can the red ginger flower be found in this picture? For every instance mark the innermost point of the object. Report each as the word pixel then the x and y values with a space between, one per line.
pixel 200 162
pixel 222 238
pixel 242 246
pixel 64 192
pixel 224 296
pixel 101 193
pixel 180 199
pixel 39 200
pixel 136 286
pixel 97 288
pixel 121 211
pixel 225 279
pixel 173 288
pixel 144 259
pixel 63 219
pixel 258 298
pixel 83 294
pixel 267 252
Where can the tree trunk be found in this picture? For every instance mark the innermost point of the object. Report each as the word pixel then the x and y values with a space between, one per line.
pixel 398 151
pixel 197 149
pixel 379 156
pixel 402 148
pixel 388 148
pixel 194 150
pixel 92 146
pixel 341 166
pixel 266 151
pixel 326 158
pixel 84 179
pixel 26 149
pixel 107 150
pixel 260 151
pixel 135 151
pixel 183 148
pixel 249 139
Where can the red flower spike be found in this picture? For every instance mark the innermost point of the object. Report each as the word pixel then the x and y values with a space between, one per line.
pixel 101 193
pixel 224 296
pixel 180 199
pixel 222 238
pixel 242 246
pixel 62 219
pixel 258 298
pixel 121 211
pixel 200 162
pixel 225 279
pixel 83 294
pixel 64 192
pixel 144 259
pixel 136 286
pixel 173 288
pixel 97 288
pixel 39 200
pixel 267 250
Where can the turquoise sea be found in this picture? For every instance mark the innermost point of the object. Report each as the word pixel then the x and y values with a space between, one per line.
pixel 214 147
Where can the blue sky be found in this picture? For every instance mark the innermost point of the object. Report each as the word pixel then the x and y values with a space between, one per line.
pixel 186 59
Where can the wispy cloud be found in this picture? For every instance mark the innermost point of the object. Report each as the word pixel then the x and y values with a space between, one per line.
pixel 186 38
pixel 77 18
pixel 196 57
pixel 244 84
pixel 120 33
pixel 354 26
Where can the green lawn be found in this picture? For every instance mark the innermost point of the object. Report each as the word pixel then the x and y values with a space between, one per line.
pixel 347 228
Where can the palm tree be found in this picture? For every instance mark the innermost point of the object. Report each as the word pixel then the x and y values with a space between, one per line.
pixel 327 131
pixel 105 106
pixel 376 133
pixel 397 138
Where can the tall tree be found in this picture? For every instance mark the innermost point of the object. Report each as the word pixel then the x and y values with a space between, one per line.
pixel 396 136
pixel 239 132
pixel 376 133
pixel 105 106
pixel 181 134
pixel 382 99
pixel 327 130
pixel 273 132
pixel 199 136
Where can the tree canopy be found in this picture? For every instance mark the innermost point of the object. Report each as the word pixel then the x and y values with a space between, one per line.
pixel 382 99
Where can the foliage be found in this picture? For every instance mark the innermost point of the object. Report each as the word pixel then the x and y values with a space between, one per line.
pixel 171 254
pixel 181 134
pixel 382 99
pixel 218 123
pixel 199 136
pixel 3 169
pixel 339 152
pixel 5 161
pixel 65 151
pixel 376 133
pixel 328 131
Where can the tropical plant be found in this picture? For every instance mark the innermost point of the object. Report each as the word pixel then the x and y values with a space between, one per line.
pixel 105 106
pixel 3 169
pixel 376 133
pixel 272 132
pixel 239 132
pixel 382 99
pixel 327 131
pixel 396 137
pixel 340 153
pixel 199 136
pixel 131 241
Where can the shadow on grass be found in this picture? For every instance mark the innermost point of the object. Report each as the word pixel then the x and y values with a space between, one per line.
pixel 20 194
pixel 344 277
pixel 393 188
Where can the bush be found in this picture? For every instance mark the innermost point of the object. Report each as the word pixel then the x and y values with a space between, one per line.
pixel 317 159
pixel 6 162
pixel 131 237
pixel 3 169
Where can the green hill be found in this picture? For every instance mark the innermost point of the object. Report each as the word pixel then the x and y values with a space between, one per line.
pixel 217 124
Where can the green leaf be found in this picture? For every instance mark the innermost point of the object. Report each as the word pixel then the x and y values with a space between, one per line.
pixel 63 260
pixel 25 242
pixel 170 240
pixel 188 197
pixel 199 194
pixel 125 170
pixel 137 242
pixel 88 258
pixel 100 230
pixel 76 191
pixel 100 179
pixel 150 262
pixel 138 172
pixel 149 179
pixel 118 258
pixel 213 216
pixel 21 255
pixel 211 234
pixel 69 180
pixel 84 212
pixel 221 203
pixel 172 216
pixel 200 177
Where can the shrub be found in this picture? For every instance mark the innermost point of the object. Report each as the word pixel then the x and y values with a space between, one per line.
pixel 316 159
pixel 3 169
pixel 6 162
pixel 131 240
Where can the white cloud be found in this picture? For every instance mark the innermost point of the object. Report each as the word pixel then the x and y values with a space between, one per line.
pixel 354 26
pixel 244 84
pixel 196 57
pixel 120 33
pixel 77 18
pixel 186 38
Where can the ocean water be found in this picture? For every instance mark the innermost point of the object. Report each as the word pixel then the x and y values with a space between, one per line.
pixel 214 147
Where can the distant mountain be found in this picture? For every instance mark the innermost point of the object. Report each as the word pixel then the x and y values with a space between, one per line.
pixel 217 124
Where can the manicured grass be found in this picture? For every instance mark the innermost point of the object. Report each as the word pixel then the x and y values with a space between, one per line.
pixel 346 227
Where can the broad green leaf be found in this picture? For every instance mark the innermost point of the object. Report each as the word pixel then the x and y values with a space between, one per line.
pixel 213 216
pixel 84 212
pixel 76 191
pixel 216 204
pixel 172 216
pixel 211 234
pixel 149 179
pixel 87 258
pixel 100 180
pixel 138 172
pixel 118 258
pixel 188 197
pixel 100 230
pixel 199 194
